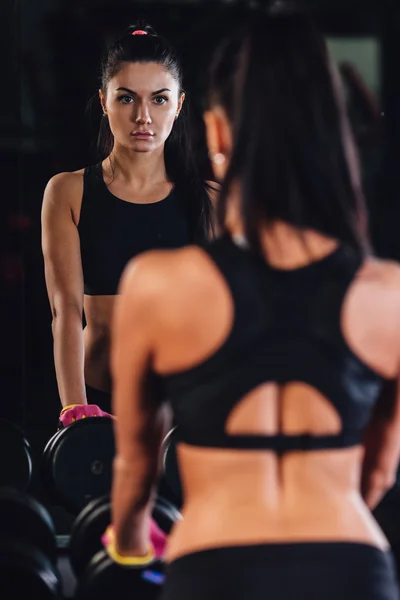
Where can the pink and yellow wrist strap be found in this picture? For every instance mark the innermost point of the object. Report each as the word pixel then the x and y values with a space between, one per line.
pixel 70 406
pixel 108 540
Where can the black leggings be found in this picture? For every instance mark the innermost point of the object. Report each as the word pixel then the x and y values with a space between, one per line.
pixel 102 399
pixel 297 571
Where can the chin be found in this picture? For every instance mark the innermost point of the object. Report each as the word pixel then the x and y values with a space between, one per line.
pixel 142 150
pixel 141 145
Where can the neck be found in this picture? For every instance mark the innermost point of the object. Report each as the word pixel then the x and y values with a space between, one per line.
pixel 136 168
pixel 283 245
pixel 288 247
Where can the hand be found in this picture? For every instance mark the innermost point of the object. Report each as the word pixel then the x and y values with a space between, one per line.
pixel 158 538
pixel 376 486
pixel 157 544
pixel 75 412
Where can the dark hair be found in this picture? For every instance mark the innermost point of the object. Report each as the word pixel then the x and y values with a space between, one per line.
pixel 179 156
pixel 274 79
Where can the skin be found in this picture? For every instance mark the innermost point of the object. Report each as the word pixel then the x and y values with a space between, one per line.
pixel 134 172
pixel 175 310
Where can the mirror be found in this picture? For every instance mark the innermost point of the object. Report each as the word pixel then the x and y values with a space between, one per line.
pixel 46 129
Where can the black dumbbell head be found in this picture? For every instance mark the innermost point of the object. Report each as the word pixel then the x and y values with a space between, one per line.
pixel 104 579
pixel 25 518
pixel 94 519
pixel 86 533
pixel 77 462
pixel 25 572
pixel 165 514
pixel 16 465
pixel 170 484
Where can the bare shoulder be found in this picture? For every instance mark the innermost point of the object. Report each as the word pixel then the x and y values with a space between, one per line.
pixel 382 273
pixel 371 316
pixel 64 185
pixel 64 192
pixel 178 275
pixel 66 179
pixel 377 287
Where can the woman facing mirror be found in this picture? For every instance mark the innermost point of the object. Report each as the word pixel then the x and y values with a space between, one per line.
pixel 145 193
pixel 272 345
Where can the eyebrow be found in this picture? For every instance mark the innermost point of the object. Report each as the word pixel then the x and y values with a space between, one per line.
pixel 124 89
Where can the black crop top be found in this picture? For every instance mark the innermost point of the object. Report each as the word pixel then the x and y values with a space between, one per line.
pixel 112 231
pixel 286 328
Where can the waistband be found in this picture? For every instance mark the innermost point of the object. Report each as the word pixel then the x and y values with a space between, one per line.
pixel 326 551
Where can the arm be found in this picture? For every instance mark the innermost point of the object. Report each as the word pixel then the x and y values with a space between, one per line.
pixel 382 446
pixel 64 282
pixel 140 416
pixel 382 436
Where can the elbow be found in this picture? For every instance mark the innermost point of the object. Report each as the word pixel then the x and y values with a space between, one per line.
pixel 63 310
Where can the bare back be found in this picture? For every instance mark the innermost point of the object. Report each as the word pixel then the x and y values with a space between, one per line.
pixel 241 497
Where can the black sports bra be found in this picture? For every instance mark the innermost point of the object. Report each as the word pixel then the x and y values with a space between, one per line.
pixel 286 328
pixel 113 231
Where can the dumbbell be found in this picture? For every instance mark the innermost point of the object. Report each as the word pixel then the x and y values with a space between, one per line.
pixel 99 577
pixel 28 550
pixel 16 464
pixel 77 463
pixel 170 483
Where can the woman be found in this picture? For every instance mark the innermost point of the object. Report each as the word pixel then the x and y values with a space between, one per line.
pixel 274 346
pixel 146 193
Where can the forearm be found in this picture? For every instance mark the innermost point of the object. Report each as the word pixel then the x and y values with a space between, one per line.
pixel 69 357
pixel 134 485
pixel 381 459
pixel 135 479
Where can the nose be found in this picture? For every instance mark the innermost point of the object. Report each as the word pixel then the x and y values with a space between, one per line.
pixel 142 116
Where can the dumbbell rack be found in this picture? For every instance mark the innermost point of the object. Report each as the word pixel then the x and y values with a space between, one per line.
pixel 56 473
pixel 68 579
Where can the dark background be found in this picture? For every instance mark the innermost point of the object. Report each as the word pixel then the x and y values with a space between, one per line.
pixel 50 70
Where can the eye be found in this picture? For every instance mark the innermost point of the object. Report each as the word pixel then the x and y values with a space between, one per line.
pixel 160 99
pixel 125 99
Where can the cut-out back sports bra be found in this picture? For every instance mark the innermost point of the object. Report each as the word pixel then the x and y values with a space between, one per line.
pixel 286 329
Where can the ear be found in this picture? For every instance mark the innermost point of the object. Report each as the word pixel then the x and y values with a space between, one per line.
pixel 218 131
pixel 102 101
pixel 180 104
pixel 212 136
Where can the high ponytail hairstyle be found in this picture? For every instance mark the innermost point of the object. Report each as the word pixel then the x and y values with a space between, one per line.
pixel 180 161
pixel 293 154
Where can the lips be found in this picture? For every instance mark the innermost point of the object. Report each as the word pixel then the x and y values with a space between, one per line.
pixel 142 135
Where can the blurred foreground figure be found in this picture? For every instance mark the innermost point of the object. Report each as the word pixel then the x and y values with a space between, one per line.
pixel 274 346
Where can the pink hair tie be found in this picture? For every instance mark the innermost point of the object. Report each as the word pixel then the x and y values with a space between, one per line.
pixel 139 32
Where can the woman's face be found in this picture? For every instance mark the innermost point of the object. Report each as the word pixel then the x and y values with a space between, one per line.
pixel 142 102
